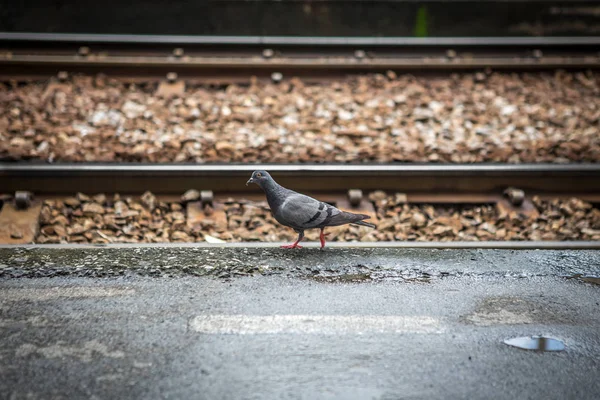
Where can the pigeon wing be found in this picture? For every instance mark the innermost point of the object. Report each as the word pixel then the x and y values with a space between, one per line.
pixel 303 212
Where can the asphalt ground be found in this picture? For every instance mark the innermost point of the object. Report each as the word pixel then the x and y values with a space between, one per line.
pixel 256 323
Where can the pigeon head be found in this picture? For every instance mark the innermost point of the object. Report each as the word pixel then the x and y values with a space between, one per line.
pixel 260 178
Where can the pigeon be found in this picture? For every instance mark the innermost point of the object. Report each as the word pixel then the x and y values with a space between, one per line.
pixel 301 212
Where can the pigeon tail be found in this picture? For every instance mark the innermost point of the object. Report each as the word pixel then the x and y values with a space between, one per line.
pixel 363 223
pixel 345 217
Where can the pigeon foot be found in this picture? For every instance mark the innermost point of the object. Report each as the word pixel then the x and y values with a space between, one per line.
pixel 291 246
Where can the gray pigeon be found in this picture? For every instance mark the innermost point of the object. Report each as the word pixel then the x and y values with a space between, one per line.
pixel 301 212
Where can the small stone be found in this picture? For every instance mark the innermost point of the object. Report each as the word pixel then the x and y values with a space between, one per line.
pixel 92 208
pixel 48 240
pixel 441 230
pixel 418 220
pixel 99 198
pixel 386 225
pixel 486 226
pixel 177 216
pixel 180 236
pixel 72 202
pixel 377 195
pixel 60 220
pixel 190 195
pixel 591 232
pixel 224 147
pixel 400 198
pixel 82 197
pixel 212 239
pixel 121 208
pixel 132 109
pixel 149 200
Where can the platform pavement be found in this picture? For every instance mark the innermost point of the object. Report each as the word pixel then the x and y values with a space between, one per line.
pixel 216 323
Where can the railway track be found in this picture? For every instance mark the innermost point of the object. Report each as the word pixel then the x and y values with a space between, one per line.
pixel 347 186
pixel 26 56
pixel 143 57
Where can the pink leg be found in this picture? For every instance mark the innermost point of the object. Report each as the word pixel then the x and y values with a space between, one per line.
pixel 322 237
pixel 295 245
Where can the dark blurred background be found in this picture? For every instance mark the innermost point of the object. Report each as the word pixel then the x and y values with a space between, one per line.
pixel 305 18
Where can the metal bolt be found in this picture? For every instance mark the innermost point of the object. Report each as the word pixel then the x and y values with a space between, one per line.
pixel 206 197
pixel 355 197
pixel 83 51
pixel 276 77
pixel 178 52
pixel 360 54
pixel 537 53
pixel 171 77
pixel 515 196
pixel 268 53
pixel 450 53
pixel 63 76
pixel 23 200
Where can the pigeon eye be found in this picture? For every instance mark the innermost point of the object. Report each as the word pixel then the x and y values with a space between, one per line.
pixel 259 174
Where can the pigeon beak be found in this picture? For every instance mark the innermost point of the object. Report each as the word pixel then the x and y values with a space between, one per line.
pixel 249 181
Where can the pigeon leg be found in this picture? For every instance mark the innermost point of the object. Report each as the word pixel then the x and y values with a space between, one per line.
pixel 295 245
pixel 322 237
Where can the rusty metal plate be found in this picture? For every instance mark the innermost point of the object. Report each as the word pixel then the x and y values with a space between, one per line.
pixel 526 210
pixel 170 89
pixel 197 216
pixel 19 226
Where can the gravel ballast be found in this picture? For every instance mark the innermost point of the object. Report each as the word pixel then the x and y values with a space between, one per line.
pixel 458 118
pixel 103 219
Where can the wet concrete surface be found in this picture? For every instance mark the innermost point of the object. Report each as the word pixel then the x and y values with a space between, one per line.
pixel 329 264
pixel 425 324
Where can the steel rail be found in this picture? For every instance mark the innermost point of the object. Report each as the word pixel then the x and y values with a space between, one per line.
pixel 50 179
pixel 296 40
pixel 32 54
pixel 287 63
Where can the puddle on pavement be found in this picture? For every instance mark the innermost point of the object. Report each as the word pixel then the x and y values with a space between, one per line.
pixel 415 278
pixel 369 277
pixel 595 280
pixel 538 343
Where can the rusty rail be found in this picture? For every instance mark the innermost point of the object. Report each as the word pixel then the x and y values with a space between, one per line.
pixel 31 54
pixel 455 179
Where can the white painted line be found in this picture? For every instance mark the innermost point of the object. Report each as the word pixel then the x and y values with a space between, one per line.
pixel 314 324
